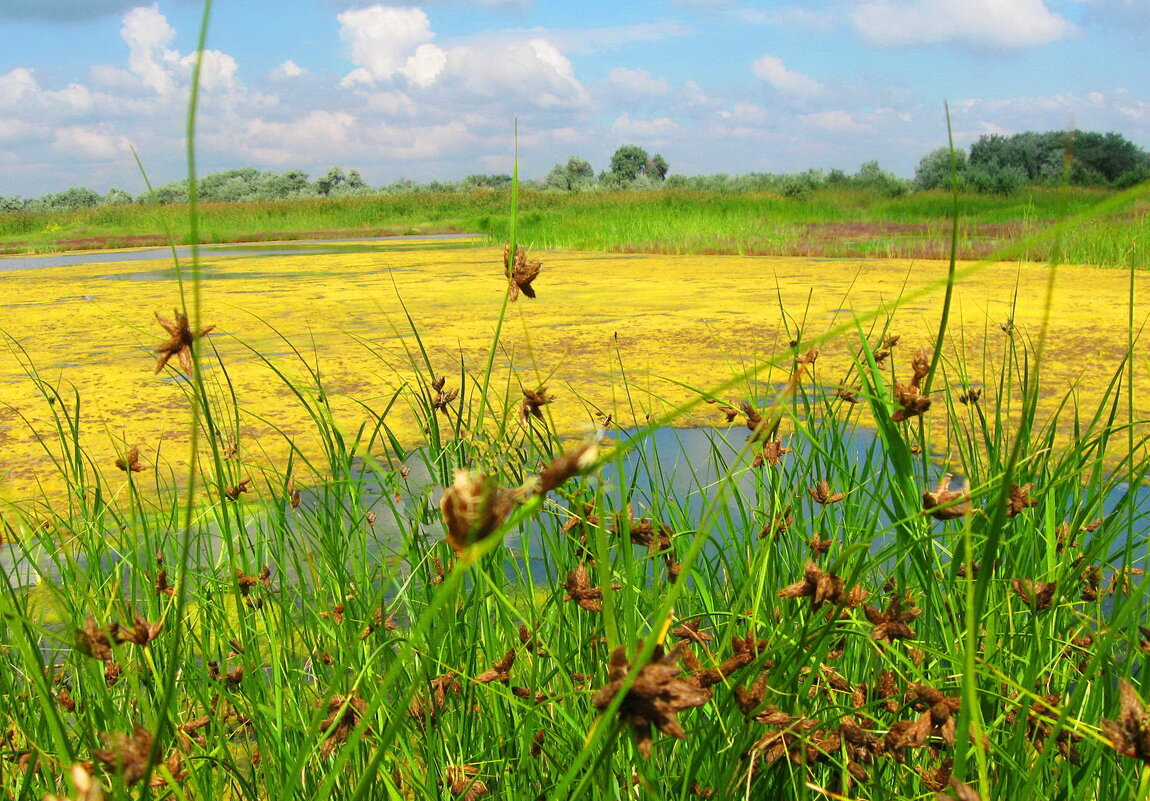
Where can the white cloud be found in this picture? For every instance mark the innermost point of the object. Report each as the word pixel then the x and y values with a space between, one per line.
pixel 638 81
pixel 694 95
pixel 989 24
pixel 534 71
pixel 425 65
pixel 16 86
pixel 146 32
pixel 789 82
pixel 836 120
pixel 217 70
pixel 288 69
pixel 382 39
pixel 656 129
pixel 91 142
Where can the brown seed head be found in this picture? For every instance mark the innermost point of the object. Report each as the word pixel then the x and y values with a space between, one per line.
pixel 179 344
pixel 473 508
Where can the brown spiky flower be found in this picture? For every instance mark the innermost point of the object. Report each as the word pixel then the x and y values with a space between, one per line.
pixel 580 590
pixel 126 754
pixel 473 508
pixel 655 698
pixel 894 623
pixel 823 494
pixel 822 588
pixel 1039 594
pixel 1019 499
pixel 1130 734
pixel 943 503
pixel 533 403
pixel 233 493
pixel 179 344
pixel 909 397
pixel 442 398
pixel 521 273
pixel 130 462
pixel 344 713
pixel 573 462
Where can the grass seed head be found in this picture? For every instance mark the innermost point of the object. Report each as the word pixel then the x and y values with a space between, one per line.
pixel 943 503
pixel 655 699
pixel 179 343
pixel 126 755
pixel 521 273
pixel 473 507
pixel 130 462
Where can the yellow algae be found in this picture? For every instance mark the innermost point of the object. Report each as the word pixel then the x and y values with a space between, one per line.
pixel 694 319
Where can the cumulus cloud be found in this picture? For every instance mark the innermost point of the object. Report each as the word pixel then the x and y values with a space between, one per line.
pixel 653 131
pixel 95 142
pixel 146 32
pixel 638 81
pixel 288 69
pixel 382 39
pixel 989 24
pixel 789 82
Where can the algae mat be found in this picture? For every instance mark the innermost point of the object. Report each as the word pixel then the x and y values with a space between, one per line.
pixel 698 320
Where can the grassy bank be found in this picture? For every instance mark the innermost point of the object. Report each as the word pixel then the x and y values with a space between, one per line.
pixel 825 224
pixel 787 613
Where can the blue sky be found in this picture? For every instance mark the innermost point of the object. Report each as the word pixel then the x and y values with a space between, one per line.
pixel 430 91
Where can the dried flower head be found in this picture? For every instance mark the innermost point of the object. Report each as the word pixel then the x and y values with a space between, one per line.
pixel 1019 499
pixel 521 273
pixel 848 393
pixel 130 462
pixel 179 344
pixel 822 588
pixel 1038 594
pixel 1130 734
pixel 234 493
pixel 943 503
pixel 500 671
pixel 473 508
pixel 771 453
pixel 823 494
pixel 442 398
pixel 971 396
pixel 894 623
pixel 126 755
pixel 140 633
pixel 655 699
pixel 579 590
pixel 533 403
pixel 94 641
pixel 573 462
pixel 909 396
pixel 462 781
pixel 344 713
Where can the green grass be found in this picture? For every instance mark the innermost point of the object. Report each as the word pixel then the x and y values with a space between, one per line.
pixel 828 224
pixel 312 636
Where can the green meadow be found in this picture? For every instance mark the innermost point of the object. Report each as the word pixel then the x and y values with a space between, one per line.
pixel 832 223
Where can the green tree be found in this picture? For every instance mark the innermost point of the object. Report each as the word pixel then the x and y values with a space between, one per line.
pixel 933 171
pixel 576 174
pixel 355 181
pixel 117 197
pixel 656 168
pixel 628 163
pixel 333 178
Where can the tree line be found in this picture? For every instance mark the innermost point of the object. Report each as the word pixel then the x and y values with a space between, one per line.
pixel 994 164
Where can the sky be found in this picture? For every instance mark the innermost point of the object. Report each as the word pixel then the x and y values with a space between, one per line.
pixel 431 91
